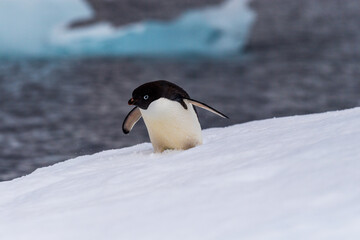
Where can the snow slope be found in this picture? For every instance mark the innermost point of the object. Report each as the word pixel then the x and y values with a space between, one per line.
pixel 288 178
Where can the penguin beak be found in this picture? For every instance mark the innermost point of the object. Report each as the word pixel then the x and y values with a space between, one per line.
pixel 131 101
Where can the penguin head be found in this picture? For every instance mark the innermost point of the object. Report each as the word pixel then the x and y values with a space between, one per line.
pixel 145 94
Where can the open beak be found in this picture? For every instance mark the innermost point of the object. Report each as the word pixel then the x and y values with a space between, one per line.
pixel 131 101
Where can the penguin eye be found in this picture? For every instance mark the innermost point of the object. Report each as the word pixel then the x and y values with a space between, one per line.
pixel 146 97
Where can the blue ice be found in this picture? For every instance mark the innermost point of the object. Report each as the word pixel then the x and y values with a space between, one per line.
pixel 38 28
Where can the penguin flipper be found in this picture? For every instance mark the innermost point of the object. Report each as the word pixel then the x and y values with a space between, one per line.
pixel 206 107
pixel 131 119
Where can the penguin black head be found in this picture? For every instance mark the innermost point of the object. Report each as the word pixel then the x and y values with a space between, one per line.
pixel 145 94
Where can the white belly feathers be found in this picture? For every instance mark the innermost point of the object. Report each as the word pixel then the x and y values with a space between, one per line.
pixel 170 126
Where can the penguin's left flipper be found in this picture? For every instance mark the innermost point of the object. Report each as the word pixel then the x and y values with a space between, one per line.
pixel 206 107
pixel 131 119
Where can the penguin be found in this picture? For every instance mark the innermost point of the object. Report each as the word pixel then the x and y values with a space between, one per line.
pixel 169 115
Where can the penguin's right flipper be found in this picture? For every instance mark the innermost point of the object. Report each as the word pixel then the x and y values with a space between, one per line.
pixel 206 107
pixel 131 119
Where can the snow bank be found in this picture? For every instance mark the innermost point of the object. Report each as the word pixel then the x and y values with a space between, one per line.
pixel 38 28
pixel 288 178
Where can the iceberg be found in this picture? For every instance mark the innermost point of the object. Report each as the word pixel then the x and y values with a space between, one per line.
pixel 27 27
pixel 287 178
pixel 39 28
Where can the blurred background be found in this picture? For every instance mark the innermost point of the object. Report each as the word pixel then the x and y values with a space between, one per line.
pixel 68 67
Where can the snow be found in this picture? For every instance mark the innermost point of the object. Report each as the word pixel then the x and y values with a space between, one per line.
pixel 288 178
pixel 39 28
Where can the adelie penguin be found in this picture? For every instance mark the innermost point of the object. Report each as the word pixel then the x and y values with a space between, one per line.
pixel 169 115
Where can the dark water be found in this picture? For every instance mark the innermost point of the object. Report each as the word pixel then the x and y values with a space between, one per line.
pixel 302 57
pixel 55 110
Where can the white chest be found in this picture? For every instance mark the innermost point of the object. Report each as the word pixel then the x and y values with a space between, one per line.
pixel 170 126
